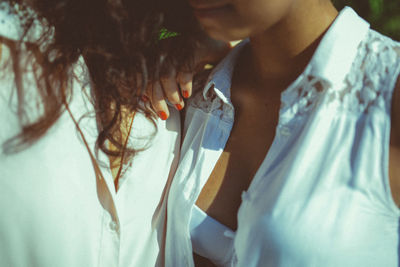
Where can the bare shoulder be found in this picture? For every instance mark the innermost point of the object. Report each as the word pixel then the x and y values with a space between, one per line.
pixel 394 151
pixel 395 133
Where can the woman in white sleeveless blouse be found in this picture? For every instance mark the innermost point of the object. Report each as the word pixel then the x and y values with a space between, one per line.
pixel 291 151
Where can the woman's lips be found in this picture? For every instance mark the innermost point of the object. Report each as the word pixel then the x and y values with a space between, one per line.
pixel 209 12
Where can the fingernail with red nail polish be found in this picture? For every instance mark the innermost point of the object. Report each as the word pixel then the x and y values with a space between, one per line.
pixel 185 94
pixel 162 115
pixel 144 98
pixel 178 106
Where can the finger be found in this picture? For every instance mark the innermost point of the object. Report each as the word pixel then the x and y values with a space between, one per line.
pixel 185 80
pixel 144 98
pixel 158 102
pixel 171 90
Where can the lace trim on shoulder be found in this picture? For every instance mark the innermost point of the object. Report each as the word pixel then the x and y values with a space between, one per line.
pixel 212 104
pixel 369 83
pixel 301 97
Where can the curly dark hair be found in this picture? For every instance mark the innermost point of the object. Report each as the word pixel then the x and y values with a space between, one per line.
pixel 119 42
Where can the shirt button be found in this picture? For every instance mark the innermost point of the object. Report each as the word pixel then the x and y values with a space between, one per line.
pixel 113 226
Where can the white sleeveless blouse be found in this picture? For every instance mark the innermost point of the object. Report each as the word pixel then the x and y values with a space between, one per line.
pixel 322 196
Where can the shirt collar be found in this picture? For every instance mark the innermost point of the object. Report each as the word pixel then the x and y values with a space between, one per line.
pixel 331 61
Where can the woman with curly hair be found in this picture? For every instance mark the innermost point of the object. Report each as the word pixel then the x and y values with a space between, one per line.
pixel 74 114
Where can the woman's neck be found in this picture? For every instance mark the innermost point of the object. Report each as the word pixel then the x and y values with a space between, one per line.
pixel 282 52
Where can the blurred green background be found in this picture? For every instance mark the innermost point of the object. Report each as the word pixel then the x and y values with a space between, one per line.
pixel 384 15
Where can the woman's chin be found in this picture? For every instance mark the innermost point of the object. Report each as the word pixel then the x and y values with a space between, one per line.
pixel 225 36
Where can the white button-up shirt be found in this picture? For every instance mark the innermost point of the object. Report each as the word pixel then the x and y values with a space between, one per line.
pixel 321 197
pixel 55 212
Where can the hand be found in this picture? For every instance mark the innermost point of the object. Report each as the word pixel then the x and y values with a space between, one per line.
pixel 177 85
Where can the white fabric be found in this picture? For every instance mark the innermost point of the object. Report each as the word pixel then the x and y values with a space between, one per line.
pixel 10 25
pixel 55 212
pixel 210 238
pixel 321 197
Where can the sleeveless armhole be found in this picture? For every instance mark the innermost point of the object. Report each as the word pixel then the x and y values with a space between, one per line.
pixel 369 91
pixel 395 114
pixel 394 139
pixel 392 90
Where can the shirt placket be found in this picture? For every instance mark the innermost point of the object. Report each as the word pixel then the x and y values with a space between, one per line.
pixel 220 133
pixel 110 243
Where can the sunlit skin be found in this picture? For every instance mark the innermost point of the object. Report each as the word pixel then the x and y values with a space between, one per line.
pixel 283 36
pixel 279 30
